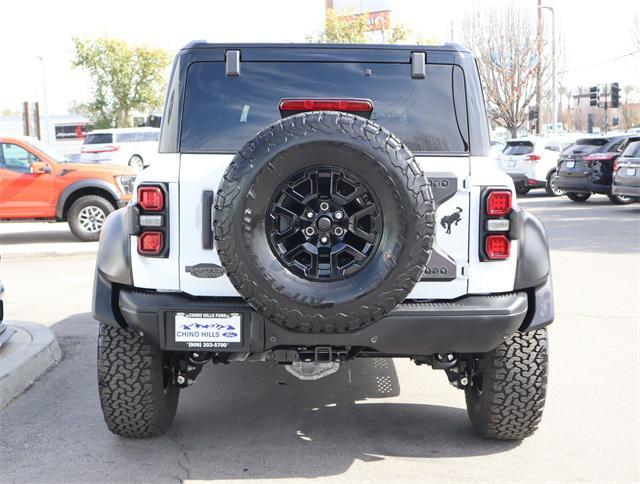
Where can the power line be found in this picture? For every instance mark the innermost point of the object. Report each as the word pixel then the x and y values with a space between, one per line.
pixel 600 63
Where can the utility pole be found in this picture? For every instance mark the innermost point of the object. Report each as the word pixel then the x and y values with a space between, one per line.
pixel 553 63
pixel 606 118
pixel 539 66
pixel 44 103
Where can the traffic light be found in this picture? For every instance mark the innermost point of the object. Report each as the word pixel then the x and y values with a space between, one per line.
pixel 594 95
pixel 615 95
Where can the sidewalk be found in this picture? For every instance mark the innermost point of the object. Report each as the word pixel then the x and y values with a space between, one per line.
pixel 28 354
pixel 40 239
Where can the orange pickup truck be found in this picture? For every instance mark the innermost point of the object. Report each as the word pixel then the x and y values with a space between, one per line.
pixel 36 182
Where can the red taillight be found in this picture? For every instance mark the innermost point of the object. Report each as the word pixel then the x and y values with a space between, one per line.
pixel 498 203
pixel 616 166
pixel 533 158
pixel 106 149
pixel 151 198
pixel 497 247
pixel 346 105
pixel 150 242
pixel 600 157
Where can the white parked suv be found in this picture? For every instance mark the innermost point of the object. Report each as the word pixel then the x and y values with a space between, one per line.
pixel 531 162
pixel 135 147
pixel 284 223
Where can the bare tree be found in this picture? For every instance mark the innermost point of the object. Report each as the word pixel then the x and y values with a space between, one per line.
pixel 504 41
pixel 635 30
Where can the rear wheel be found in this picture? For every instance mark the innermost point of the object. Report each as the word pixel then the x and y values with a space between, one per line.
pixel 136 163
pixel 621 199
pixel 87 215
pixel 137 393
pixel 507 395
pixel 578 197
pixel 552 185
pixel 522 189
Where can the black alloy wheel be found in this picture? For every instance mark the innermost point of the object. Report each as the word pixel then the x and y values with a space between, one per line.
pixel 324 223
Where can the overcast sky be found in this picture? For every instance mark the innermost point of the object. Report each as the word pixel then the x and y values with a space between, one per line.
pixel 593 32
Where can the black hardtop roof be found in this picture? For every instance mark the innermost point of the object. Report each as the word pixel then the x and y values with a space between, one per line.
pixel 203 44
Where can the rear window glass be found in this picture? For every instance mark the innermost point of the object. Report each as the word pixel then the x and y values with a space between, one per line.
pixel 126 137
pixel 222 113
pixel 98 138
pixel 632 150
pixel 137 136
pixel 518 148
pixel 585 146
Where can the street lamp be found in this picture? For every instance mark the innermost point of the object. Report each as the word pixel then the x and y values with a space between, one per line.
pixel 44 101
pixel 553 65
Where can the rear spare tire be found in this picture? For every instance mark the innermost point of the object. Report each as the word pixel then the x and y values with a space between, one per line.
pixel 324 222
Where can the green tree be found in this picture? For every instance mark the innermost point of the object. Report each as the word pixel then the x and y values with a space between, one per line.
pixel 125 78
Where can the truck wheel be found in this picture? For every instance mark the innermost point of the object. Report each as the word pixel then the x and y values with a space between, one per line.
pixel 137 394
pixel 578 197
pixel 551 187
pixel 506 398
pixel 87 215
pixel 324 222
pixel 621 199
pixel 136 163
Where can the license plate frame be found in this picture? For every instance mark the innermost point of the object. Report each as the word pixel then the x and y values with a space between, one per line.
pixel 570 164
pixel 631 171
pixel 210 322
pixel 511 163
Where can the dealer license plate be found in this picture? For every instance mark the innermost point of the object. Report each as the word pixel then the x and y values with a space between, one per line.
pixel 570 164
pixel 631 172
pixel 208 330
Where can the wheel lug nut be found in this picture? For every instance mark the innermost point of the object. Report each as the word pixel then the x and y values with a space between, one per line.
pixel 309 214
pixel 339 231
pixel 338 215
pixel 309 231
pixel 324 239
pixel 324 206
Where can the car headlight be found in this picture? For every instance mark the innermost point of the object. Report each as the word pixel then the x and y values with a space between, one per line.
pixel 125 183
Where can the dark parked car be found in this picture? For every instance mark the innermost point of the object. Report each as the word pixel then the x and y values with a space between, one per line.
pixel 626 171
pixel 586 167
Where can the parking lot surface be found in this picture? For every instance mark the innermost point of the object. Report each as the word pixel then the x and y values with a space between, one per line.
pixel 376 419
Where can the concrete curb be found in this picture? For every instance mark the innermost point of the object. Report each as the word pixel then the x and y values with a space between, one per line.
pixel 31 255
pixel 25 357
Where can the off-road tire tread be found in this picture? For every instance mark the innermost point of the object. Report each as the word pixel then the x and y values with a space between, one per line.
pixel 514 388
pixel 132 403
pixel 227 214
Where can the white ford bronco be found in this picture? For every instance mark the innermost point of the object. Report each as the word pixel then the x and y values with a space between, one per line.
pixel 312 204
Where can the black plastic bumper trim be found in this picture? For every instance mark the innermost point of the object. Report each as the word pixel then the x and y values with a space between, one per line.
pixel 472 324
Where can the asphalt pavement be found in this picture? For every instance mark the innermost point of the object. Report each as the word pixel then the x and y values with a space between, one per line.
pixel 376 420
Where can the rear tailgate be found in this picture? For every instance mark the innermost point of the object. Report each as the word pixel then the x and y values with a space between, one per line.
pixel 221 113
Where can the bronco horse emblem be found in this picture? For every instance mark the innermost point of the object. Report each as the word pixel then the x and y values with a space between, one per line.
pixel 452 219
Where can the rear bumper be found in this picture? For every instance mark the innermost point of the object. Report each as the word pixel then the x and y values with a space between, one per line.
pixel 472 324
pixel 626 190
pixel 522 180
pixel 580 185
